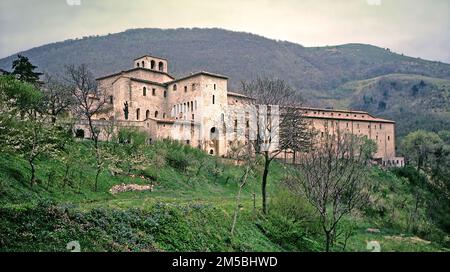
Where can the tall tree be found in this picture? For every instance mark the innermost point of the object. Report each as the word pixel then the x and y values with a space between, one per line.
pixel 419 146
pixel 296 133
pixel 89 102
pixel 23 70
pixel 269 95
pixel 57 97
pixel 332 177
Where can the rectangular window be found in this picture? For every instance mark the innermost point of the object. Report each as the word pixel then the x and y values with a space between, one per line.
pixel 185 89
pixel 153 91
pixel 214 86
pixel 111 99
pixel 214 99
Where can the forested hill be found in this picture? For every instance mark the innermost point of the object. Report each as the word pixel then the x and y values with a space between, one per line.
pixel 236 54
pixel 319 74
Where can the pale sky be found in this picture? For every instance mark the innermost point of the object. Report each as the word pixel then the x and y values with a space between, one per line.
pixel 419 28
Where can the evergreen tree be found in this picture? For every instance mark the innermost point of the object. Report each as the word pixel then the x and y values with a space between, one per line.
pixel 23 70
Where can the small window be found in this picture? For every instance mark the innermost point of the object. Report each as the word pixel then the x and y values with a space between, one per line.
pixel 153 91
pixel 147 114
pixel 193 86
pixel 193 117
pixel 389 138
pixel 214 86
pixel 165 93
pixel 164 115
pixel 211 152
pixel 156 114
pixel 175 87
pixel 138 113
pixel 144 91
pixel 143 64
pixel 152 64
pixel 111 99
pixel 214 99
pixel 137 64
pixel 161 66
pixel 185 89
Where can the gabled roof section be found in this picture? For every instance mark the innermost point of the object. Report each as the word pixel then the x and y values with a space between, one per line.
pixel 239 95
pixel 134 69
pixel 148 81
pixel 198 74
pixel 150 56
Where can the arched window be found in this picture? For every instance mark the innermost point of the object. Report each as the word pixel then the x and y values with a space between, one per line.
pixel 143 64
pixel 175 87
pixel 137 64
pixel 147 114
pixel 156 114
pixel 164 115
pixel 152 64
pixel 144 91
pixel 192 105
pixel 211 152
pixel 161 66
pixel 138 112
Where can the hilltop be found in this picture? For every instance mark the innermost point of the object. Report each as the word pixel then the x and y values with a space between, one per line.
pixel 239 55
pixel 353 76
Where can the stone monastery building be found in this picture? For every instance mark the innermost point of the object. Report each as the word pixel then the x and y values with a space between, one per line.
pixel 199 110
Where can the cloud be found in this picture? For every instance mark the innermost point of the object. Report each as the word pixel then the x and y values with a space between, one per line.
pixel 405 26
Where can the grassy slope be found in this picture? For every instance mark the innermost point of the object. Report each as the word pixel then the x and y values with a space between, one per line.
pixel 176 217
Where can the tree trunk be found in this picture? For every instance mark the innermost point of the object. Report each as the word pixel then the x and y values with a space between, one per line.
pixel 327 241
pixel 236 211
pixel 264 183
pixel 96 178
pixel 33 173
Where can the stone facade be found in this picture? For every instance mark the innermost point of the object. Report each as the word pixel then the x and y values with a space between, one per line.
pixel 199 110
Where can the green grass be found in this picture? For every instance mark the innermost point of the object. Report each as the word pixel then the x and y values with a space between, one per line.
pixel 178 215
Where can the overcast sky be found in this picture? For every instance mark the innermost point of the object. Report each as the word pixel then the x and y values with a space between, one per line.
pixel 420 28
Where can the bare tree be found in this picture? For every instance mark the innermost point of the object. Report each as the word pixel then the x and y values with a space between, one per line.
pixel 332 177
pixel 89 101
pixel 296 134
pixel 250 165
pixel 270 94
pixel 57 97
